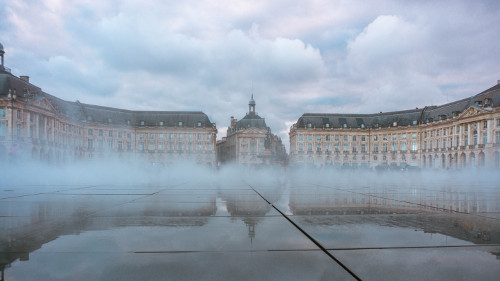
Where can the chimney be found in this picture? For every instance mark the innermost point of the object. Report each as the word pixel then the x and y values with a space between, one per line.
pixel 498 82
pixel 25 78
pixel 233 121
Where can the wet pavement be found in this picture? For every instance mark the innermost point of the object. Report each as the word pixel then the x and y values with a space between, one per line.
pixel 279 227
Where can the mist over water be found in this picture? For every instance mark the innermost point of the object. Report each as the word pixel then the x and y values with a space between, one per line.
pixel 119 219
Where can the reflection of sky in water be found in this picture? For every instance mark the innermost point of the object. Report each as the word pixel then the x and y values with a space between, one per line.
pixel 187 229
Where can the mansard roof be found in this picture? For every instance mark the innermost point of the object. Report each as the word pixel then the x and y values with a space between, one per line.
pixel 251 120
pixel 78 111
pixel 485 99
pixel 320 120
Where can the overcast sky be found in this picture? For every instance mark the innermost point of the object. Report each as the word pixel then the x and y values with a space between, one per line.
pixel 301 56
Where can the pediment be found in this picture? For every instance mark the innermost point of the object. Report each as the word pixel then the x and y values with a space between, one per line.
pixel 45 104
pixel 253 130
pixel 472 111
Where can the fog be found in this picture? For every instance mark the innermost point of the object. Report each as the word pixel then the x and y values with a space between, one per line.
pixel 114 220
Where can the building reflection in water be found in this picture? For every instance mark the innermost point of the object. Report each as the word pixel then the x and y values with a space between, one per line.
pixel 463 214
pixel 249 207
pixel 31 224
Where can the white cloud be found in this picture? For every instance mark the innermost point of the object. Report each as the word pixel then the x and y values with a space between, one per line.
pixel 323 56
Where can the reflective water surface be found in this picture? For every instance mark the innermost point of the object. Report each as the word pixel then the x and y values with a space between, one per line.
pixel 234 227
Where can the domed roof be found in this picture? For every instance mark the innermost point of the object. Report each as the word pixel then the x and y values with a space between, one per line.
pixel 251 102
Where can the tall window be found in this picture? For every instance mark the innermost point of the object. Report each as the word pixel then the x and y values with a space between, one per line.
pixel 375 147
pixel 363 147
pixel 3 129
pixel 414 146
pixel 497 137
pixel 485 138
pixel 403 147
pixel 475 138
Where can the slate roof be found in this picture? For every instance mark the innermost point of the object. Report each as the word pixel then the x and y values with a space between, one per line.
pixel 99 114
pixel 251 120
pixel 485 99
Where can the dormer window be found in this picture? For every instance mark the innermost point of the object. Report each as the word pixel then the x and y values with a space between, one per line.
pixel 345 125
pixel 180 124
pixel 89 118
pixel 309 125
pixel 327 125
pixel 141 123
pixel 161 123
pixel 362 126
pixel 487 101
pixel 110 120
pixel 199 124
pixel 394 124
pixel 415 122
pixel 128 122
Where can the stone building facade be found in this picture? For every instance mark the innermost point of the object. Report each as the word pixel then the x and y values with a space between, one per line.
pixel 250 142
pixel 464 133
pixel 34 124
